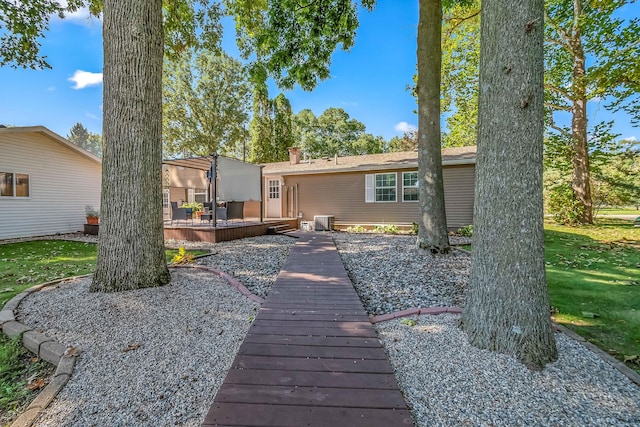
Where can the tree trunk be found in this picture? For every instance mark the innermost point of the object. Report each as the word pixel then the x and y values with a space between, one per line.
pixel 507 306
pixel 580 158
pixel 131 243
pixel 432 232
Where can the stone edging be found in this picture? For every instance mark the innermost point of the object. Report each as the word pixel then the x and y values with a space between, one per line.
pixel 434 311
pixel 45 348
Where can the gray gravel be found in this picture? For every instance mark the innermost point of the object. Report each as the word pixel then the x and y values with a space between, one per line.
pixel 390 274
pixel 448 382
pixel 150 357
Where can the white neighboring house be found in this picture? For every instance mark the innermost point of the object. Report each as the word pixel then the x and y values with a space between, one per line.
pixel 45 183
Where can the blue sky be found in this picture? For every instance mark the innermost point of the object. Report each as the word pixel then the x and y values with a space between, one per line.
pixel 369 82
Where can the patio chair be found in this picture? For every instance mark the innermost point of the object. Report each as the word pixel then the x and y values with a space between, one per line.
pixel 180 213
pixel 235 210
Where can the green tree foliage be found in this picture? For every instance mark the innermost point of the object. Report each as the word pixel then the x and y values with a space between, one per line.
pixel 293 41
pixel 271 127
pixel 80 136
pixel 407 142
pixel 460 61
pixel 205 105
pixel 334 132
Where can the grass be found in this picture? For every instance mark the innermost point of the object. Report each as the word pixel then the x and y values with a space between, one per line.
pixel 17 369
pixel 619 211
pixel 25 264
pixel 593 277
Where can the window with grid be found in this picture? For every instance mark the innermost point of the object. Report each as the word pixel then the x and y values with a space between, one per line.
pixel 385 184
pixel 274 189
pixel 14 184
pixel 201 195
pixel 410 186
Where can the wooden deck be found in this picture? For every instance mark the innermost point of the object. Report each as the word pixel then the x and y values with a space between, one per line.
pixel 203 231
pixel 311 357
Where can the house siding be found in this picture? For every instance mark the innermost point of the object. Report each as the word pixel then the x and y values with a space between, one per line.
pixel 343 195
pixel 62 182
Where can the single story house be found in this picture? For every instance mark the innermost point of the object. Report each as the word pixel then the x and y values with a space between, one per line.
pixel 45 183
pixel 366 190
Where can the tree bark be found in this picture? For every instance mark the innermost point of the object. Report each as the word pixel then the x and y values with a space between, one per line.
pixel 131 243
pixel 432 231
pixel 507 306
pixel 580 158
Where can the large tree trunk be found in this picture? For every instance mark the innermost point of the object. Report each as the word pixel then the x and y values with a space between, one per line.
pixel 432 232
pixel 580 157
pixel 131 244
pixel 507 306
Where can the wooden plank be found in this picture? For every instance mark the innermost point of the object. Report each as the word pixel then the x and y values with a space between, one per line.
pixel 304 364
pixel 313 340
pixel 280 350
pixel 298 323
pixel 323 332
pixel 320 317
pixel 311 378
pixel 310 396
pixel 256 415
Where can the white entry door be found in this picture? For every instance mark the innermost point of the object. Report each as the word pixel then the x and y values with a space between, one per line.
pixel 274 203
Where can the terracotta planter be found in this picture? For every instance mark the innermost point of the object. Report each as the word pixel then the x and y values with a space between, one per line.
pixel 199 214
pixel 92 220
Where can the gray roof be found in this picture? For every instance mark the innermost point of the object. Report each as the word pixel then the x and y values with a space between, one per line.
pixel 370 162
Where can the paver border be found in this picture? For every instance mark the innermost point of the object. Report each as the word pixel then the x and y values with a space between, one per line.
pixel 435 311
pixel 64 358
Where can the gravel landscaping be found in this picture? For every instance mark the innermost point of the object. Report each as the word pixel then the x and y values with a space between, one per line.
pixel 390 274
pixel 155 357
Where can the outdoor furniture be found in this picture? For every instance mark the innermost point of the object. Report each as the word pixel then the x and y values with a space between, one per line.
pixel 178 214
pixel 235 210
pixel 221 213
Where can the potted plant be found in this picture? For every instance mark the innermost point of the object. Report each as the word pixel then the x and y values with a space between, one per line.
pixel 92 214
pixel 196 208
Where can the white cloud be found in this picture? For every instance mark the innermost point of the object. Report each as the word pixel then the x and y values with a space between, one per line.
pixel 404 127
pixel 80 16
pixel 91 116
pixel 84 79
pixel 632 138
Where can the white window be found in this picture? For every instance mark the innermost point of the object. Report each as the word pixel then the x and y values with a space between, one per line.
pixel 409 186
pixel 201 195
pixel 274 189
pixel 14 184
pixel 191 195
pixel 380 187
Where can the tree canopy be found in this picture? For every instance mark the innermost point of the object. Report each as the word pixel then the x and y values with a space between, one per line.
pixel 205 105
pixel 80 136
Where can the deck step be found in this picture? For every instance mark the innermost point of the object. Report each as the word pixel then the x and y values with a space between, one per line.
pixel 279 229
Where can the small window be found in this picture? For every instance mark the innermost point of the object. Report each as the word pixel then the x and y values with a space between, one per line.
pixel 201 195
pixel 274 189
pixel 410 186
pixel 14 184
pixel 380 187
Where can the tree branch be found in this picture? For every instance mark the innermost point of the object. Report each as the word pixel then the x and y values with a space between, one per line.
pixel 456 21
pixel 558 91
pixel 557 107
pixel 566 40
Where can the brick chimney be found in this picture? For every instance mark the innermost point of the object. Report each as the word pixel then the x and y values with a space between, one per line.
pixel 294 155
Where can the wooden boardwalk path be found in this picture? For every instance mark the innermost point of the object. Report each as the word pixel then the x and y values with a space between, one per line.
pixel 311 357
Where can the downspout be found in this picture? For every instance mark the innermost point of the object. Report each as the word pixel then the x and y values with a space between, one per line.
pixel 214 183
pixel 261 195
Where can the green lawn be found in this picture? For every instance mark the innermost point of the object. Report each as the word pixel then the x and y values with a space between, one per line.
pixel 593 276
pixel 630 210
pixel 25 264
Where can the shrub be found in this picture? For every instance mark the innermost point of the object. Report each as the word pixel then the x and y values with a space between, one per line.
pixel 414 228
pixel 356 229
pixel 182 257
pixel 466 231
pixel 391 229
pixel 563 205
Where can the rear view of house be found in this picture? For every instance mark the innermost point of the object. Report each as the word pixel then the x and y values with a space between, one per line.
pixel 45 183
pixel 366 190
